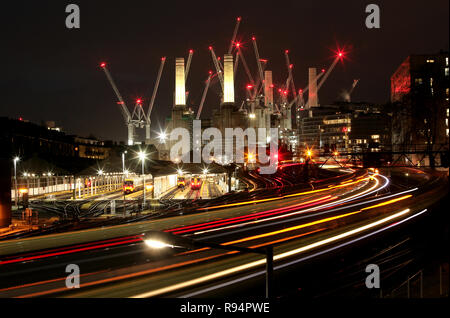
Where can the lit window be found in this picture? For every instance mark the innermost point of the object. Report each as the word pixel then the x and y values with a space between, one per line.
pixel 375 136
pixel 418 81
pixel 446 61
pixel 430 61
pixel 446 71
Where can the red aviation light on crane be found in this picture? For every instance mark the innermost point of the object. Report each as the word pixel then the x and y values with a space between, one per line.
pixel 138 101
pixel 163 58
pixel 238 44
pixel 271 86
pixel 210 48
pixel 102 65
pixel 287 51
pixel 249 86
pixel 279 90
pixel 218 58
pixel 300 91
pixel 285 92
pixel 239 18
pixel 253 38
pixel 191 51
pixel 291 65
pixel 210 72
pixel 323 70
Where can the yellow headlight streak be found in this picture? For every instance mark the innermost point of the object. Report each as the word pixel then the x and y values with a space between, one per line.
pixel 260 262
pixel 297 227
pixel 285 196
pixel 300 211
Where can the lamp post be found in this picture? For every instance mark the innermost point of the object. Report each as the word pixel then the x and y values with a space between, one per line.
pixel 15 160
pixel 142 156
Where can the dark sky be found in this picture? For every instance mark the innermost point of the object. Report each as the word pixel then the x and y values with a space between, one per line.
pixel 52 73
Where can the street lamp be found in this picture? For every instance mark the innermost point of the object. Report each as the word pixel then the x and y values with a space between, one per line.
pixel 123 162
pixel 162 137
pixel 15 160
pixel 142 156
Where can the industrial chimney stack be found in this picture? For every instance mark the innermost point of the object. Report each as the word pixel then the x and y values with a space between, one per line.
pixel 312 88
pixel 180 91
pixel 268 89
pixel 228 89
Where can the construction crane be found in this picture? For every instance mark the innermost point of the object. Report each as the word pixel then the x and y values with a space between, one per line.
pixel 186 71
pixel 123 107
pixel 247 70
pixel 258 63
pixel 291 77
pixel 347 95
pixel 205 91
pixel 152 100
pixel 233 38
pixel 339 56
pixel 217 66
pixel 138 118
pixel 188 64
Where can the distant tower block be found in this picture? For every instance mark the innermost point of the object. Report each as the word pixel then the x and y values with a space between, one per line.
pixel 180 92
pixel 312 88
pixel 268 89
pixel 228 89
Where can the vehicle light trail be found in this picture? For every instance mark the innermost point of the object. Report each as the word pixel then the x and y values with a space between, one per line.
pixel 218 286
pixel 297 227
pixel 70 251
pixel 261 262
pixel 201 226
pixel 282 197
pixel 312 215
pixel 372 189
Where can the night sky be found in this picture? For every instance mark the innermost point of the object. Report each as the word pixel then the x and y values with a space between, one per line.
pixel 50 72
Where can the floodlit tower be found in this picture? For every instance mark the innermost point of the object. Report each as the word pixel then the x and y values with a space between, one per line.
pixel 180 91
pixel 228 97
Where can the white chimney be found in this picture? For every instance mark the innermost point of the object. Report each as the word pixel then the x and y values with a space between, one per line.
pixel 228 87
pixel 180 93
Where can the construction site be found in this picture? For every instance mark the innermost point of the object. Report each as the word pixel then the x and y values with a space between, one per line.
pixel 286 106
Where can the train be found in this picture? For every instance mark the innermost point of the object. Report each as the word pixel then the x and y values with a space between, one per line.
pixel 196 183
pixel 181 182
pixel 128 186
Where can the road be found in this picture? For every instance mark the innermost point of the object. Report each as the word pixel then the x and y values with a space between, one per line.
pixel 115 261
